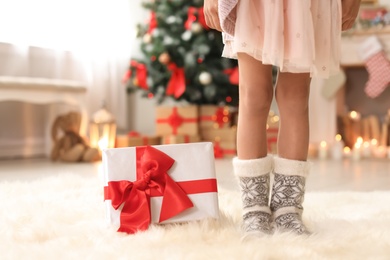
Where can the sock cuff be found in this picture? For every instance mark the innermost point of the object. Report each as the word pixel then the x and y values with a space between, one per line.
pixel 252 167
pixel 264 209
pixel 291 167
pixel 286 210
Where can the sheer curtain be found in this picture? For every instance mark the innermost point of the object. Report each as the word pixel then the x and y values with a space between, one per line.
pixel 83 40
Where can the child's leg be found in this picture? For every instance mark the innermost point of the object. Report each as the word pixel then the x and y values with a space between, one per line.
pixel 255 93
pixel 292 97
pixel 291 167
pixel 253 166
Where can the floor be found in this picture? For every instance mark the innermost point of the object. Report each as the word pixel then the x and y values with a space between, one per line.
pixel 326 175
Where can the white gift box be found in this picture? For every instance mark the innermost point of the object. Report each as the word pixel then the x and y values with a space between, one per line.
pixel 193 162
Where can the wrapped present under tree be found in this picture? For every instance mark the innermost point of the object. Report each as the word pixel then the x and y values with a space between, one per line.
pixel 224 141
pixel 177 120
pixel 180 139
pixel 214 117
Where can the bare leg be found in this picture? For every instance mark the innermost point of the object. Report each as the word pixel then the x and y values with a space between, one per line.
pixel 290 167
pixel 256 93
pixel 252 165
pixel 292 96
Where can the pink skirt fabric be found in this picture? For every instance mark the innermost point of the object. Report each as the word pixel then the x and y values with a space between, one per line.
pixel 296 36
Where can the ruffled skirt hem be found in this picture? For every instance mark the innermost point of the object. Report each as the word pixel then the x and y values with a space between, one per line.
pixel 303 37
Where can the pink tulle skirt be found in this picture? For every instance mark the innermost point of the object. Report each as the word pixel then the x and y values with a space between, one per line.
pixel 296 36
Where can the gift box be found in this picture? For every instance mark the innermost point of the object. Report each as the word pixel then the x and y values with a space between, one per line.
pixel 136 139
pixel 177 120
pixel 159 184
pixel 224 149
pixel 214 117
pixel 121 141
pixel 224 141
pixel 180 139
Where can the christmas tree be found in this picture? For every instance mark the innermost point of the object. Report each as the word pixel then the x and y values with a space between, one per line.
pixel 182 57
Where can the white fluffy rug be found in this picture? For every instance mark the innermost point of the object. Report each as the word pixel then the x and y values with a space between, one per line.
pixel 63 218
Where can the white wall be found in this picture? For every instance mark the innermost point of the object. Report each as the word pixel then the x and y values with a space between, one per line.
pixel 384 2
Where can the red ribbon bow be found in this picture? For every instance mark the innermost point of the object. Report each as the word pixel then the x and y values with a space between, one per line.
pixel 233 75
pixel 142 74
pixel 153 22
pixel 177 84
pixel 175 120
pixel 152 178
pixel 220 117
pixel 192 17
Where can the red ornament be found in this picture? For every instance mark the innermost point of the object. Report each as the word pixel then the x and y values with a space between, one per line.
pixel 164 58
pixel 150 95
pixel 228 99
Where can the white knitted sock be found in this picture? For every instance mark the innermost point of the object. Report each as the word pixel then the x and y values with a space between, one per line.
pixel 254 181
pixel 288 192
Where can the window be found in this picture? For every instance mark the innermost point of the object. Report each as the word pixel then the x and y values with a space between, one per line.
pixel 92 26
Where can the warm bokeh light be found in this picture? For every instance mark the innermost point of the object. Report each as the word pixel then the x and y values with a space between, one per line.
pixel 347 150
pixel 354 115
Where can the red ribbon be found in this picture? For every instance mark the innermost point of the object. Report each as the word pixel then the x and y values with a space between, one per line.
pixel 134 134
pixel 192 17
pixel 220 153
pixel 142 74
pixel 153 22
pixel 152 177
pixel 233 74
pixel 220 117
pixel 177 84
pixel 175 120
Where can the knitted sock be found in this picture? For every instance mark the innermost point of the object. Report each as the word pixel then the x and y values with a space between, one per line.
pixel 378 67
pixel 288 194
pixel 254 182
